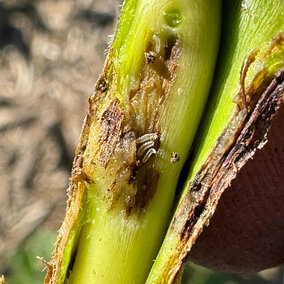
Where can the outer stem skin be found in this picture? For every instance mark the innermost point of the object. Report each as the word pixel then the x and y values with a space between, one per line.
pixel 119 240
pixel 247 26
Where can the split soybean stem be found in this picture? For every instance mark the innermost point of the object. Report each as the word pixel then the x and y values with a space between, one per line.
pixel 119 238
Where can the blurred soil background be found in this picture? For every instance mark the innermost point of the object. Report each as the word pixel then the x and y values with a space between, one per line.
pixel 51 53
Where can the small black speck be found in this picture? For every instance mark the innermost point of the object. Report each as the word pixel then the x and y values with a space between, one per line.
pixel 150 57
pixel 174 157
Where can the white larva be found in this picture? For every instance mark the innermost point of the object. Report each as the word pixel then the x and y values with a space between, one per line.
pixel 148 155
pixel 145 147
pixel 147 137
pixel 148 142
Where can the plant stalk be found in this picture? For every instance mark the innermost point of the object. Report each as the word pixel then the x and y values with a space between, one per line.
pixel 137 135
pixel 246 93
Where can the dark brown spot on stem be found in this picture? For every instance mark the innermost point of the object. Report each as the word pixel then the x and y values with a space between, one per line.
pixel 111 128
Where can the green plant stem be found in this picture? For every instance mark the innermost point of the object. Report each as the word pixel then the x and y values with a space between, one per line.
pixel 251 30
pixel 156 81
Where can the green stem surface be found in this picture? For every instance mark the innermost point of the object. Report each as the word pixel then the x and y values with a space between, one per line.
pixel 252 37
pixel 156 81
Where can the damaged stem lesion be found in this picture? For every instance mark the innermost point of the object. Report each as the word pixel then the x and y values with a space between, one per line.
pixel 129 136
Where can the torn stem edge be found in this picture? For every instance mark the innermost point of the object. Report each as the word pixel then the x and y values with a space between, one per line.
pixel 216 175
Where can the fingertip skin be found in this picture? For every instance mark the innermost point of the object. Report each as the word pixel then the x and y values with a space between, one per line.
pixel 246 232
